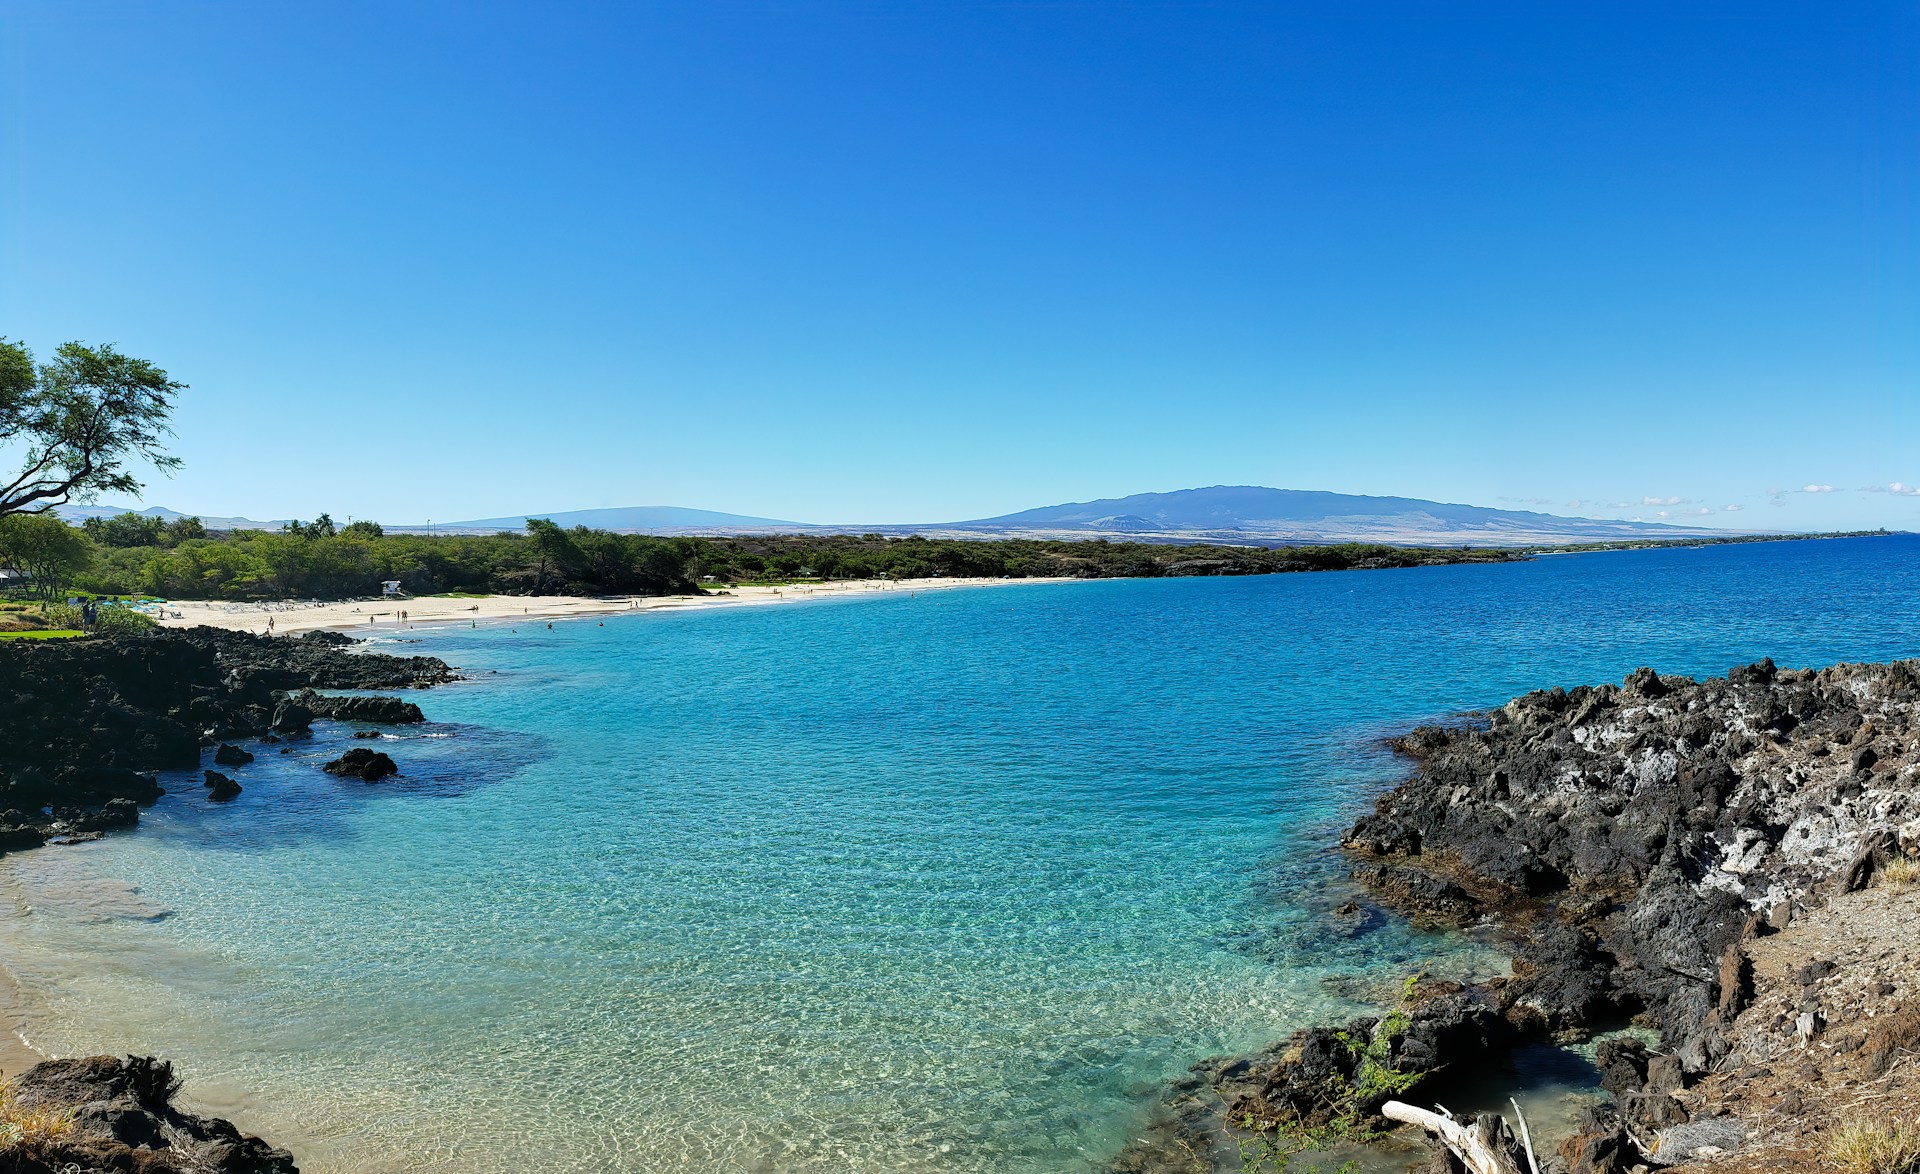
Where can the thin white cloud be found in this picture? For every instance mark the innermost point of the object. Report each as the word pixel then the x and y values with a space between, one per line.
pixel 1703 510
pixel 1818 489
pixel 1897 488
pixel 1734 508
pixel 1663 501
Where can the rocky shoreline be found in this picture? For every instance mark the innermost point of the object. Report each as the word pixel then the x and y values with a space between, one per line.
pixel 1672 854
pixel 84 724
pixel 1723 863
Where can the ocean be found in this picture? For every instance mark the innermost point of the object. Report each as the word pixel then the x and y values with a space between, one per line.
pixel 952 881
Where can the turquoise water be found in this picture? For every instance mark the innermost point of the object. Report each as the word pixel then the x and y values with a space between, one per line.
pixel 946 882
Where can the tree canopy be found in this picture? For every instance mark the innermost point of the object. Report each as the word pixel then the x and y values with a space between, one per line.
pixel 77 422
pixel 45 549
pixel 126 530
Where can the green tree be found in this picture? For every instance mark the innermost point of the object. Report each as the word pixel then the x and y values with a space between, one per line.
pixel 45 549
pixel 79 420
pixel 125 530
pixel 365 529
pixel 320 527
pixel 185 530
pixel 554 551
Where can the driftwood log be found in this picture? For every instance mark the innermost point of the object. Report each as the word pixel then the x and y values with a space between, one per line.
pixel 1484 1146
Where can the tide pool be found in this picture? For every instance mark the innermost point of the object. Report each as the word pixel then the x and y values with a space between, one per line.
pixel 947 882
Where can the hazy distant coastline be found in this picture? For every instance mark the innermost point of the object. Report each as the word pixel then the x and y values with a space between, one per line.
pixel 1240 515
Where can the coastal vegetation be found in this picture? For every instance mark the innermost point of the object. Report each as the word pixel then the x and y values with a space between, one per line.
pixel 1872 1145
pixel 134 555
pixel 137 555
pixel 1366 1072
pixel 44 551
pixel 29 1131
pixel 50 621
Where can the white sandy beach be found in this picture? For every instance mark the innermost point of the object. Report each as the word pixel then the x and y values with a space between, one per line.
pixel 293 616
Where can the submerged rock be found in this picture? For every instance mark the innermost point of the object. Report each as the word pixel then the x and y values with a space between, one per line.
pixel 85 722
pixel 115 813
pixel 362 763
pixel 384 710
pixel 228 754
pixel 291 717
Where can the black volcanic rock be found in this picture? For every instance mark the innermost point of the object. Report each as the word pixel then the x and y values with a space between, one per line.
pixel 227 754
pixel 84 722
pixel 290 717
pixel 1660 818
pixel 362 763
pixel 125 1122
pixel 382 710
pixel 220 788
pixel 1630 840
pixel 1300 1082
pixel 115 813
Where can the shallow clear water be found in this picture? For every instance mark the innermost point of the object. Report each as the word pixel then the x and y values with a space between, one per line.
pixel 944 882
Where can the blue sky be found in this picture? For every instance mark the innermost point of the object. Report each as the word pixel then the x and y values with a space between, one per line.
pixel 923 261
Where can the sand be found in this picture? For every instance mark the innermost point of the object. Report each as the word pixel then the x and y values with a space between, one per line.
pixel 371 615
pixel 19 1006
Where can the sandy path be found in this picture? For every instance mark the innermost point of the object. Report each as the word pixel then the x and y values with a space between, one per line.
pixel 373 614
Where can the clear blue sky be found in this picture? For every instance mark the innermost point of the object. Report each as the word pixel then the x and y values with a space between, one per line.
pixel 923 261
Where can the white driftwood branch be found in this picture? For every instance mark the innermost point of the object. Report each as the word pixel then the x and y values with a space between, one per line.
pixel 1526 1135
pixel 1468 1143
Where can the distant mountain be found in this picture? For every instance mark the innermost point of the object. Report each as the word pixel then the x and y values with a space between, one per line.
pixel 1248 515
pixel 635 517
pixel 1252 513
pixel 80 513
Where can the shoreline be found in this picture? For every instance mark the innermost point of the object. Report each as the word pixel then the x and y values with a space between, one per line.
pixel 1732 863
pixel 100 717
pixel 1746 758
pixel 375 616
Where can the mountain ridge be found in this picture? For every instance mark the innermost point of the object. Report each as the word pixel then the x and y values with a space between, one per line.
pixel 1248 515
pixel 1234 514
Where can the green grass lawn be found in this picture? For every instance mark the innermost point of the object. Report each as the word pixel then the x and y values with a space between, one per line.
pixel 46 634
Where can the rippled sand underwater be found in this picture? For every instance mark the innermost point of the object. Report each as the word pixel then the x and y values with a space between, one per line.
pixel 936 883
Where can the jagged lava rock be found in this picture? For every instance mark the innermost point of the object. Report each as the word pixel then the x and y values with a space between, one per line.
pixel 124 1120
pixel 361 763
